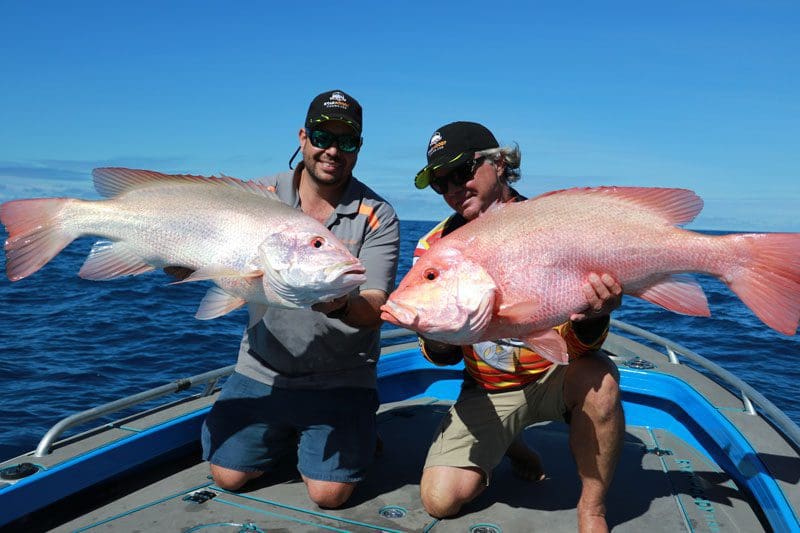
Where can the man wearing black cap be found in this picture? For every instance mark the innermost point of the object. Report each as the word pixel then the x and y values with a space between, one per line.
pixel 305 380
pixel 467 166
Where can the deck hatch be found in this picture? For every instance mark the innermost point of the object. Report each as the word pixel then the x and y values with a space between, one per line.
pixel 639 363
pixel 485 528
pixel 392 511
pixel 18 471
pixel 201 496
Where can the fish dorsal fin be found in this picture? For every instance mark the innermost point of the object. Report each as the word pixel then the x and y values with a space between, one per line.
pixel 676 206
pixel 113 181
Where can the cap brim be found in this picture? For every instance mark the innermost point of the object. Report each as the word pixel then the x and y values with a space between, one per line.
pixel 425 176
pixel 338 118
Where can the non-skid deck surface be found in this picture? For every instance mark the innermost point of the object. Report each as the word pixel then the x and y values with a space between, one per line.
pixel 661 484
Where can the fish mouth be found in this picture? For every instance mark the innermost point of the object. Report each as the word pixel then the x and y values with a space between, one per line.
pixel 399 314
pixel 349 272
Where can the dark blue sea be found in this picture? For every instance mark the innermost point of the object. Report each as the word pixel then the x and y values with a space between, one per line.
pixel 68 344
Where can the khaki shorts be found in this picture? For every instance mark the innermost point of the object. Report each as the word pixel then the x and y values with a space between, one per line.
pixel 480 426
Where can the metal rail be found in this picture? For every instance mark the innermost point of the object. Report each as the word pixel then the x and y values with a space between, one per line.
pixel 182 384
pixel 211 378
pixel 751 398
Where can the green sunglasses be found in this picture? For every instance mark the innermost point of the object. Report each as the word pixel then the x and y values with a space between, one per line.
pixel 347 143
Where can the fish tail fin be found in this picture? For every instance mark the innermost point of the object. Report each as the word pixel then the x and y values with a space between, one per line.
pixel 765 274
pixel 35 234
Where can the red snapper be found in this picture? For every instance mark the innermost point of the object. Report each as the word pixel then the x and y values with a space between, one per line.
pixel 517 271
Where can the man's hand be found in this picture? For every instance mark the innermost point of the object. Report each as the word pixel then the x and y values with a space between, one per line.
pixel 603 295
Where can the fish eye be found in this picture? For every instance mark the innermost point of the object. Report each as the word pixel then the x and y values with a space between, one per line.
pixel 431 274
pixel 317 242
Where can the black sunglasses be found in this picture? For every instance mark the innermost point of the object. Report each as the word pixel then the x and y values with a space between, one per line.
pixel 458 176
pixel 347 142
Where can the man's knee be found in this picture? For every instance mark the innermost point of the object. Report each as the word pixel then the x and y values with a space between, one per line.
pixel 594 384
pixel 329 494
pixel 440 503
pixel 444 490
pixel 232 480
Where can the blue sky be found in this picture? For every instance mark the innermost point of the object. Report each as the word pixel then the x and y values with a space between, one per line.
pixel 702 95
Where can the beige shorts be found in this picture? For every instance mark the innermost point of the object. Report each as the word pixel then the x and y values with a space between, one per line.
pixel 480 426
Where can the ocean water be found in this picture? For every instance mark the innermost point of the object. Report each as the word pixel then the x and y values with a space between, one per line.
pixel 68 344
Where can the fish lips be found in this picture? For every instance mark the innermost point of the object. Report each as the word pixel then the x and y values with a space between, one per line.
pixel 406 316
pixel 399 314
pixel 349 274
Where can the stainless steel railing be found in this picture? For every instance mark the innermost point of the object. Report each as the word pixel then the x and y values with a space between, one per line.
pixel 210 378
pixel 751 398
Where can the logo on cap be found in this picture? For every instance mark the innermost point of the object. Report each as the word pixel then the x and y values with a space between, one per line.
pixel 337 100
pixel 436 143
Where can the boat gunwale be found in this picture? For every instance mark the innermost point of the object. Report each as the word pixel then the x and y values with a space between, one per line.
pixel 397 360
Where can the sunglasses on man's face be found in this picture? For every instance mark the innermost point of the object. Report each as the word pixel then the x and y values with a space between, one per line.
pixel 347 142
pixel 457 177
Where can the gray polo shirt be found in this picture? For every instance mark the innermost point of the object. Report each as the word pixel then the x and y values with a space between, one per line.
pixel 301 348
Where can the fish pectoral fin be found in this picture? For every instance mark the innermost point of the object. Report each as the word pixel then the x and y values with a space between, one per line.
pixel 518 313
pixel 256 312
pixel 679 293
pixel 216 272
pixel 216 303
pixel 109 260
pixel 549 344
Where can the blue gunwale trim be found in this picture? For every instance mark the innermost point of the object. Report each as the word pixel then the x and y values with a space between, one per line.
pixel 694 417
pixel 403 374
pixel 98 465
pixel 723 441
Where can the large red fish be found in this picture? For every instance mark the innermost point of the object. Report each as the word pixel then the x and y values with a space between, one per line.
pixel 517 271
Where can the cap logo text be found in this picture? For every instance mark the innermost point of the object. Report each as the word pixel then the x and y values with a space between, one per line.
pixel 338 101
pixel 436 143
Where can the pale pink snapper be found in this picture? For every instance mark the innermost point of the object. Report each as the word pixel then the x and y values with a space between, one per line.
pixel 255 248
pixel 516 271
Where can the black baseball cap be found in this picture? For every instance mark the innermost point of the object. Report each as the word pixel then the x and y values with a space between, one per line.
pixel 334 105
pixel 452 145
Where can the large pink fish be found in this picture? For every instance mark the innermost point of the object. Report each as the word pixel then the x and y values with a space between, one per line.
pixel 517 271
pixel 257 250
